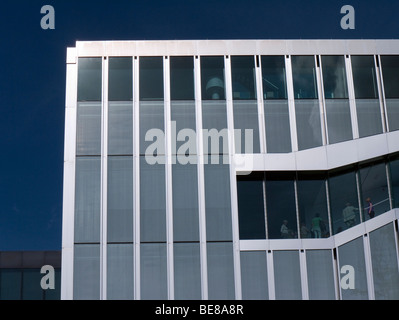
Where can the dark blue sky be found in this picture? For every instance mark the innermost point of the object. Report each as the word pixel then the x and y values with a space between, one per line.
pixel 32 78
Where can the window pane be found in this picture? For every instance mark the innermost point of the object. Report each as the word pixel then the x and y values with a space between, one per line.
pixel 352 254
pixel 334 77
pixel 320 271
pixel 364 77
pixel 217 201
pixel 120 82
pixel 392 106
pixel 181 78
pixel 390 72
pixel 343 200
pixel 243 77
pixel 308 124
pixel 220 271
pixel 120 128
pixel 212 78
pixel 385 263
pixel 54 294
pixel 153 272
pixel 184 140
pixel 277 121
pixel 152 202
pixel 120 199
pixel 89 79
pixel 87 199
pixel 287 275
pixel 214 123
pixel 11 282
pixel 251 213
pixel 273 77
pixel 280 204
pixel 368 117
pixel 187 274
pixel 254 275
pixel 31 288
pixel 304 77
pixel 151 78
pixel 86 272
pixel 246 126
pixel 120 271
pixel 374 190
pixel 338 120
pixel 185 202
pixel 88 129
pixel 312 204
pixel 394 172
pixel 152 132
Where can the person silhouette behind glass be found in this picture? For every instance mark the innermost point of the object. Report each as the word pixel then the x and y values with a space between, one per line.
pixel 349 215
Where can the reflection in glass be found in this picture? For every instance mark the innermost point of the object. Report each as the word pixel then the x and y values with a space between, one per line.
pixel 251 213
pixel 212 78
pixel 220 271
pixel 385 263
pixel 344 203
pixel 120 199
pixel 320 273
pixel 364 77
pixel 273 77
pixel 280 204
pixel 86 272
pixel 368 117
pixel 181 78
pixel 152 202
pixel 120 271
pixel 254 275
pixel 120 128
pixel 312 205
pixel 308 123
pixel 287 275
pixel 89 79
pixel 352 254
pixel 120 79
pixel 151 78
pixel 243 77
pixel 390 73
pixel 334 77
pixel 88 128
pixel 187 275
pixel 304 77
pixel 338 120
pixel 374 190
pixel 87 199
pixel 153 271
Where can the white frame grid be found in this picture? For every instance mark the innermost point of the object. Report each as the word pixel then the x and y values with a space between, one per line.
pixel 325 157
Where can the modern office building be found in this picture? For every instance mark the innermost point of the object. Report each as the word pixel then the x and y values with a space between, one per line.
pixel 22 276
pixel 229 169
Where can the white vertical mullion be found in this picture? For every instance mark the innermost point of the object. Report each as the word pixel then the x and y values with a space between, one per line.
pixel 168 179
pixel 304 274
pixel 381 94
pixel 270 275
pixel 68 207
pixel 104 179
pixel 261 113
pixel 136 181
pixel 351 95
pixel 291 104
pixel 369 267
pixel 337 283
pixel 322 102
pixel 233 184
pixel 201 180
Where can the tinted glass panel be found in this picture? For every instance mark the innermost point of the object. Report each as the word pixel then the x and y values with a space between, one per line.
pixel 304 77
pixel 368 117
pixel 308 123
pixel 184 138
pixel 277 122
pixel 280 204
pixel 120 128
pixel 88 128
pixel 251 211
pixel 151 78
pixel 214 123
pixel 120 83
pixel 339 122
pixel 392 106
pixel 212 78
pixel 89 79
pixel 254 275
pixel 31 288
pixel 320 272
pixel 394 172
pixel 243 77
pixel 11 283
pixel 246 125
pixel 287 275
pixel 364 77
pixel 334 77
pixel 152 134
pixel 273 77
pixel 181 78
pixel 390 73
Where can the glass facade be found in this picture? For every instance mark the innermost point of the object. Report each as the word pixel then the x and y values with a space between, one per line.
pixel 158 216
